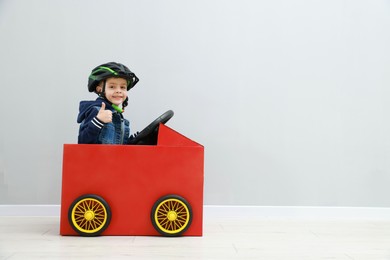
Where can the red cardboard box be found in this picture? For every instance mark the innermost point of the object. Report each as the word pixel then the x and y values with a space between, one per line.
pixel 133 189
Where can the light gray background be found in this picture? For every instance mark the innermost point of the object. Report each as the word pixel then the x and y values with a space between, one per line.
pixel 289 98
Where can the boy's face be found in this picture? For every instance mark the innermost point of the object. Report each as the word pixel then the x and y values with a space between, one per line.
pixel 116 90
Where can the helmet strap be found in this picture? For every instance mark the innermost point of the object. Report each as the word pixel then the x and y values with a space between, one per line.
pixel 103 93
pixel 125 103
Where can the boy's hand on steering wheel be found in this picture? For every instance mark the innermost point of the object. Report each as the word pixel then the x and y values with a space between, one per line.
pixel 104 115
pixel 134 135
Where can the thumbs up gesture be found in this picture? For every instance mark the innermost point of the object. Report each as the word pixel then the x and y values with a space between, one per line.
pixel 104 115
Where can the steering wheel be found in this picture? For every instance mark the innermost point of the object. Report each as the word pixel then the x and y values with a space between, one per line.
pixel 148 135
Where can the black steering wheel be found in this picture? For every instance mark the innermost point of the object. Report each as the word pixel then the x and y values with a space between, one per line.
pixel 148 136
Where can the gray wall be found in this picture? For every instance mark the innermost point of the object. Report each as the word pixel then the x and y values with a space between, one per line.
pixel 289 98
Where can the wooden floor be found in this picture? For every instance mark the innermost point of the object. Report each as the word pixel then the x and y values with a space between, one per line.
pixel 230 238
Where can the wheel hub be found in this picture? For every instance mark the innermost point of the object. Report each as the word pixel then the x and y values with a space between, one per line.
pixel 89 215
pixel 172 215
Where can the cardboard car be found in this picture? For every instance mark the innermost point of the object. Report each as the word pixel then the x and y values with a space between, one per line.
pixel 133 189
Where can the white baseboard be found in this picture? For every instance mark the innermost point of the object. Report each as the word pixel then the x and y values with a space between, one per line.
pixel 298 212
pixel 212 211
pixel 30 210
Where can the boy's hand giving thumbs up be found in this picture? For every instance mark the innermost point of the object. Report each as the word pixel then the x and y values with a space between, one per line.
pixel 104 115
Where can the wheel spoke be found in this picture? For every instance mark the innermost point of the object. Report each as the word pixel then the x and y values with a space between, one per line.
pixel 165 207
pixel 178 225
pixel 83 223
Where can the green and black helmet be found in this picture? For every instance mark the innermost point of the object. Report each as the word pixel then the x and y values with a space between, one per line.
pixel 108 70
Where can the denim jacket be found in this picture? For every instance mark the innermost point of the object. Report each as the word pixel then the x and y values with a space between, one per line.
pixel 94 131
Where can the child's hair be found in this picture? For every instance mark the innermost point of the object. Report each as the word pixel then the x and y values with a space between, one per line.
pixel 109 70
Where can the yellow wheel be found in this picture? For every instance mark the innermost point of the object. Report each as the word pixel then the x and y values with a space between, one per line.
pixel 89 215
pixel 171 215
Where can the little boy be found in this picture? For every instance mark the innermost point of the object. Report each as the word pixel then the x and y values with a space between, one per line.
pixel 101 121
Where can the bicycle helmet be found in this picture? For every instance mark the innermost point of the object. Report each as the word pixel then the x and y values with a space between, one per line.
pixel 108 70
